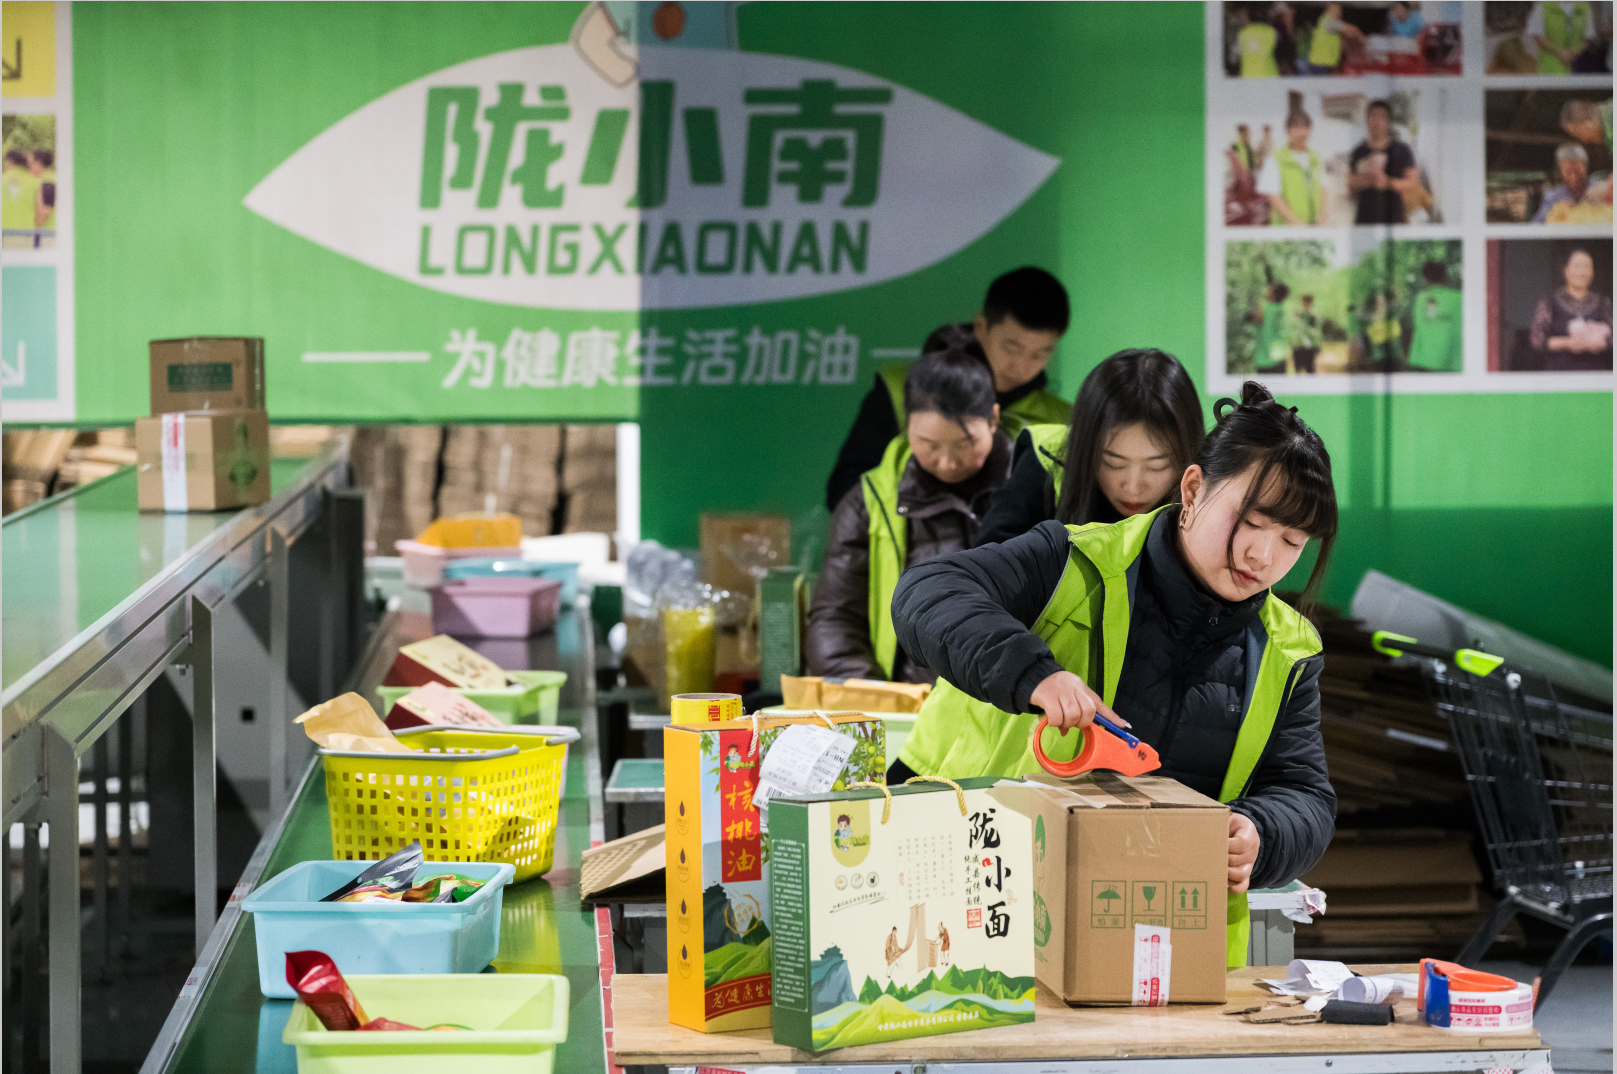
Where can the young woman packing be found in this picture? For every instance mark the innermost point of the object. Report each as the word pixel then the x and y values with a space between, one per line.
pixel 1165 617
pixel 1135 427
pixel 921 501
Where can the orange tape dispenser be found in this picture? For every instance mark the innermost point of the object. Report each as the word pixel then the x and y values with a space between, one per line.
pixel 1118 751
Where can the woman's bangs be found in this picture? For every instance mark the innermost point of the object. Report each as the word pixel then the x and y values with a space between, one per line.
pixel 1296 495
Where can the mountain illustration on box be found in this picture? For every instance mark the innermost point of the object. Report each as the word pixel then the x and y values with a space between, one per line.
pixel 983 996
pixel 732 954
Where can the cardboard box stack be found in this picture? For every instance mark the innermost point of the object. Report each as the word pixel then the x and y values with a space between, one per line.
pixel 514 463
pixel 589 479
pixel 206 445
pixel 31 459
pixel 95 455
pixel 398 467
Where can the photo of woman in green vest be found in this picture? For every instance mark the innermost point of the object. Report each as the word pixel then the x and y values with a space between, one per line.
pixel 1167 620
pixel 923 500
pixel 1137 424
pixel 1293 178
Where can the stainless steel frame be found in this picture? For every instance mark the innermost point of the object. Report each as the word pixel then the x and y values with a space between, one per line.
pixel 61 709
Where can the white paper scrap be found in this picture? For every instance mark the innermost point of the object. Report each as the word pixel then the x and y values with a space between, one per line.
pixel 1371 990
pixel 1324 976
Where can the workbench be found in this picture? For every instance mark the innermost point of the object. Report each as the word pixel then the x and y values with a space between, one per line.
pixel 223 1025
pixel 1084 1040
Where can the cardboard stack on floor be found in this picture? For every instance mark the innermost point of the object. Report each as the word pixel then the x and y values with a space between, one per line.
pixel 516 464
pixel 589 479
pixel 31 461
pixel 95 455
pixel 206 445
pixel 398 467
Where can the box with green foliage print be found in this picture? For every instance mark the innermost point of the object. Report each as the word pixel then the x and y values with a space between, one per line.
pixel 719 852
pixel 900 918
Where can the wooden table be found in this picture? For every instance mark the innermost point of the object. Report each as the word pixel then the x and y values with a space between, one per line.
pixel 1087 1040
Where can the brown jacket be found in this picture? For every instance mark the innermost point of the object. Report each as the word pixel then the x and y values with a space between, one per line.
pixel 942 518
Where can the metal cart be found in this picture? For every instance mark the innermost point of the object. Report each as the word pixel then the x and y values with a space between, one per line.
pixel 1540 774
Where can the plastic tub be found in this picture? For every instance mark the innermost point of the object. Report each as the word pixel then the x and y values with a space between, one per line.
pixel 490 567
pixel 472 794
pixel 424 563
pixel 460 937
pixel 516 607
pixel 515 1022
pixel 532 699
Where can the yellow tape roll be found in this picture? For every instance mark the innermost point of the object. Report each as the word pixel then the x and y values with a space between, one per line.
pixel 705 708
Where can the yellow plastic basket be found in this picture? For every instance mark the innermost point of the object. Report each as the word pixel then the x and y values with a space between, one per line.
pixel 471 795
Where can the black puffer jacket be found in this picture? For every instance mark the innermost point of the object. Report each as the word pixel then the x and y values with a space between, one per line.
pixel 941 518
pixel 967 616
pixel 1028 497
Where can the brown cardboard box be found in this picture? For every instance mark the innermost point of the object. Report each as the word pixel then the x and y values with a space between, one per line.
pixel 726 538
pixel 1111 852
pixel 219 460
pixel 207 373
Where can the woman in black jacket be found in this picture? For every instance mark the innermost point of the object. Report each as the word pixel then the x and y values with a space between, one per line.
pixel 1211 669
pixel 1135 427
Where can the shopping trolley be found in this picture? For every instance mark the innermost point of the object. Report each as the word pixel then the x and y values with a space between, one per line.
pixel 1540 776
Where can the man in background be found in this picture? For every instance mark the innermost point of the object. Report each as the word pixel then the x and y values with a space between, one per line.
pixel 1380 169
pixel 1304 336
pixel 1434 342
pixel 1023 317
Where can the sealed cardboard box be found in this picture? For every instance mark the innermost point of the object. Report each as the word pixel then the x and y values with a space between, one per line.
pixel 1130 888
pixel 739 549
pixel 909 916
pixel 207 373
pixel 202 460
pixel 718 851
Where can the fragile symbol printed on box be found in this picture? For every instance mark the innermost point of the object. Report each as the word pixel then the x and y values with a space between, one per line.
pixel 1108 904
pixel 1150 903
pixel 1188 904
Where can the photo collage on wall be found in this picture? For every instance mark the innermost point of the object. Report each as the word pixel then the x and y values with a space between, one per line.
pixel 36 248
pixel 1409 196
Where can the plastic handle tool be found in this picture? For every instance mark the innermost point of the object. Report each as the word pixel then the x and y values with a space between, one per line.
pixel 1118 751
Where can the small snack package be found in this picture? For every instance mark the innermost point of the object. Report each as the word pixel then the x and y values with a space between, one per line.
pixel 437 705
pixel 389 878
pixel 444 660
pixel 320 985
pixel 348 722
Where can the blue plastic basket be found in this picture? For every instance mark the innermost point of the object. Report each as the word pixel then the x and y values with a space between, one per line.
pixel 373 937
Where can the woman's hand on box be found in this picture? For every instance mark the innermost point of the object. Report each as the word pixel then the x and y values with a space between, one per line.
pixel 1067 701
pixel 1243 851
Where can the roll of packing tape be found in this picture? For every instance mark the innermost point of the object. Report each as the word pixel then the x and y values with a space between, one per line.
pixel 705 708
pixel 1468 1001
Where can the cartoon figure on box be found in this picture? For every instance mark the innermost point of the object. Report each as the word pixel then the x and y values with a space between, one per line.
pixel 733 761
pixel 844 836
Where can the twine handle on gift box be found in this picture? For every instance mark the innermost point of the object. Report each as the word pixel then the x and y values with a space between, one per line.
pixel 828 721
pixel 887 806
pixel 752 746
pixel 960 795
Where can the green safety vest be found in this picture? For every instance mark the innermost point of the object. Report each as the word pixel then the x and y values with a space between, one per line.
pixel 1326 48
pixel 1300 186
pixel 1563 32
pixel 889 546
pixel 1086 625
pixel 1050 448
pixel 1435 342
pixel 1257 45
pixel 1033 408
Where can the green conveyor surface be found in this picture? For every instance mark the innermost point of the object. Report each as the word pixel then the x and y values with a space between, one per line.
pixel 543 929
pixel 68 561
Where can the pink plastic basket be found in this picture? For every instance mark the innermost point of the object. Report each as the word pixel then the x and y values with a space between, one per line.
pixel 424 563
pixel 496 607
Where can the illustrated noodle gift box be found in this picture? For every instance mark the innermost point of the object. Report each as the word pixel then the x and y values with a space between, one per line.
pixel 719 851
pixel 909 917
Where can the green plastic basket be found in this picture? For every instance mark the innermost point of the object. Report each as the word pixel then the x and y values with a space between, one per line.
pixel 532 699
pixel 514 1022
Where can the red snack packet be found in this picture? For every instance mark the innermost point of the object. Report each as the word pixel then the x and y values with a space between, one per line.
pixel 320 985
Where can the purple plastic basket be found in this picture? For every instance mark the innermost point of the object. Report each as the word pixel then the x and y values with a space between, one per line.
pixel 496 607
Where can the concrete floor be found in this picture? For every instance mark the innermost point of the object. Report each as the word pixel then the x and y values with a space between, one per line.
pixel 1576 1021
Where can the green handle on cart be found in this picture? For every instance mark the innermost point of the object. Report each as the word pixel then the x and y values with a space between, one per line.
pixel 1475 661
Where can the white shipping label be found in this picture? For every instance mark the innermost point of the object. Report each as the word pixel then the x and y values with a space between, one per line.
pixel 805 759
pixel 174 498
pixel 1153 965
